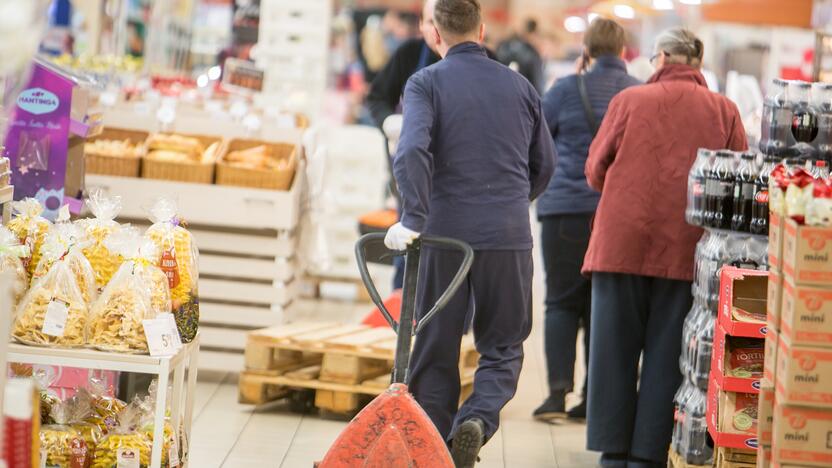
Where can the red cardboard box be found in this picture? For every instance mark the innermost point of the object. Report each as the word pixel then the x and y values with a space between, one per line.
pixel 804 375
pixel 806 314
pixel 731 421
pixel 765 415
pixel 743 297
pixel 806 254
pixel 775 241
pixel 722 365
pixel 802 436
pixel 775 299
pixel 770 359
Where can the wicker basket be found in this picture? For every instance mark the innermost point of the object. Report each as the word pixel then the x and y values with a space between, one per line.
pixel 228 174
pixel 198 173
pixel 123 166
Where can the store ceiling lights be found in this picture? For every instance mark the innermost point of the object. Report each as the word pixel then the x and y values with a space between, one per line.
pixel 574 24
pixel 691 2
pixel 662 4
pixel 624 11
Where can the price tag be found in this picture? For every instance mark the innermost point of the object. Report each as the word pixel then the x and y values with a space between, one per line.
pixel 54 322
pixel 173 454
pixel 127 458
pixel 162 336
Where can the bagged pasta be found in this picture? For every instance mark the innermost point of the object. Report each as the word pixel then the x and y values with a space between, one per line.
pixel 137 291
pixel 170 447
pixel 96 235
pixel 12 254
pixel 125 445
pixel 61 443
pixel 179 260
pixel 105 409
pixel 63 243
pixel 53 312
pixel 31 228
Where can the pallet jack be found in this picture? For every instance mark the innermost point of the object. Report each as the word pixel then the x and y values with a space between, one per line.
pixel 393 431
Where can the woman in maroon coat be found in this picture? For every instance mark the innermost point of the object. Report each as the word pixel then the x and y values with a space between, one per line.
pixel 641 251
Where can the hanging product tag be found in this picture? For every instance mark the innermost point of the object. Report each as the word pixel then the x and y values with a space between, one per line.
pixel 162 336
pixel 127 457
pixel 54 322
pixel 173 454
pixel 169 265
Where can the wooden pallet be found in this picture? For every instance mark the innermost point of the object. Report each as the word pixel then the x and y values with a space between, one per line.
pixel 345 365
pixel 674 460
pixel 735 458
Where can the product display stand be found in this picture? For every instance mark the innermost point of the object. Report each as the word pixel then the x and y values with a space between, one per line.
pixel 183 366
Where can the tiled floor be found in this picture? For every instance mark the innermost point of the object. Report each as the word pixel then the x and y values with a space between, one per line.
pixel 229 435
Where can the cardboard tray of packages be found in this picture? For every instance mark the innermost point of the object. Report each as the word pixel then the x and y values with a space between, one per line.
pixel 807 251
pixel 723 434
pixel 801 436
pixel 774 299
pixel 803 375
pixel 806 314
pixel 720 362
pixel 743 293
pixel 770 359
pixel 775 241
pixel 765 414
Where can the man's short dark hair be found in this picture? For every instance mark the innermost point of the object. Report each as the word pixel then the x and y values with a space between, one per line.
pixel 604 37
pixel 457 17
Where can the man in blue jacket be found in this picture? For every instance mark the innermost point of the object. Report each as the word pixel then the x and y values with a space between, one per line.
pixel 574 107
pixel 474 151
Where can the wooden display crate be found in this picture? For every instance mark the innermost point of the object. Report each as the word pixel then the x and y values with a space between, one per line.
pixel 194 172
pixel 229 174
pixel 735 458
pixel 345 365
pixel 674 460
pixel 123 166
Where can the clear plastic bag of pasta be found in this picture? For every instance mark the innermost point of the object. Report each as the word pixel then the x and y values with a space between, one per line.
pixel 125 445
pixel 53 313
pixel 171 455
pixel 30 228
pixel 105 409
pixel 137 291
pixel 12 254
pixel 178 260
pixel 64 243
pixel 68 442
pixel 96 233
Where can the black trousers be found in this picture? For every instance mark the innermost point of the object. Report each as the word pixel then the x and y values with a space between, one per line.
pixel 634 315
pixel 499 289
pixel 564 240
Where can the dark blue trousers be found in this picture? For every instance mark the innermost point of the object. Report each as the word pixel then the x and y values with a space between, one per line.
pixel 564 240
pixel 499 289
pixel 634 315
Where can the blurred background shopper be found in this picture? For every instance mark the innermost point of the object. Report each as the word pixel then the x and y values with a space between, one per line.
pixel 641 250
pixel 566 208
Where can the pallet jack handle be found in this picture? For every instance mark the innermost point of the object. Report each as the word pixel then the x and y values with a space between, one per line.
pixel 406 327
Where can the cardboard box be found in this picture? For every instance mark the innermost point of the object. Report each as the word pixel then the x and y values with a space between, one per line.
pixel 732 418
pixel 737 366
pixel 775 299
pixel 764 457
pixel 775 241
pixel 770 358
pixel 743 297
pixel 804 375
pixel 802 436
pixel 765 414
pixel 806 314
pixel 806 254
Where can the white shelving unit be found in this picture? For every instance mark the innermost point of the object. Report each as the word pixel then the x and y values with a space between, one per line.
pixel 180 400
pixel 247 264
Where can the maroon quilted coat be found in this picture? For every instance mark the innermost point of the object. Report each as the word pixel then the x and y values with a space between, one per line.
pixel 640 162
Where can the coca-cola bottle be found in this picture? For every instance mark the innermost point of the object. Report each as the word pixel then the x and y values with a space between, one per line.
pixel 704 345
pixel 804 124
pixel 696 450
pixel 775 122
pixel 822 107
pixel 744 192
pixel 759 208
pixel 696 187
pixel 719 191
pixel 680 400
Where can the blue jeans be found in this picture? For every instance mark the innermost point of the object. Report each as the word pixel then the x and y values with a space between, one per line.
pixel 564 240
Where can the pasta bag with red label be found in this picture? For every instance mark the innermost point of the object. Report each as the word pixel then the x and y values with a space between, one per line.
pixel 61 444
pixel 178 260
pixel 125 445
pixel 30 228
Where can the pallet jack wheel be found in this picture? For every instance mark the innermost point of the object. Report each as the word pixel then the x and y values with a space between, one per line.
pixel 302 401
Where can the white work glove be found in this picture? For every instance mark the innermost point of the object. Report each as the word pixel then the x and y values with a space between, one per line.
pixel 399 237
pixel 392 126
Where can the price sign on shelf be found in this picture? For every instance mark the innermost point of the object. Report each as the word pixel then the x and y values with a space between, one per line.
pixel 162 336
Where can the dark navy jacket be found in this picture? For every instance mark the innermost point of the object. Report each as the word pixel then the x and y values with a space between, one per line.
pixel 568 191
pixel 473 152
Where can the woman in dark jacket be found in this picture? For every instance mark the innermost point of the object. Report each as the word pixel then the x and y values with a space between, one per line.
pixel 566 209
pixel 641 250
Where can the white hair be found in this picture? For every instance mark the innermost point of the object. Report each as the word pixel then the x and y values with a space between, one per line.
pixel 680 45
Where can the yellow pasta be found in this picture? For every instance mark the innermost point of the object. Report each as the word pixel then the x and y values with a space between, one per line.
pixel 97 233
pixel 31 314
pixel 64 447
pixel 106 452
pixel 31 228
pixel 116 323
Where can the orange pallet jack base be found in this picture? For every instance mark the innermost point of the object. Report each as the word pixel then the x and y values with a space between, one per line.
pixel 393 431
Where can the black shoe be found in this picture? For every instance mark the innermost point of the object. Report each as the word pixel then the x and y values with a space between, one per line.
pixel 578 411
pixel 467 442
pixel 553 408
pixel 613 460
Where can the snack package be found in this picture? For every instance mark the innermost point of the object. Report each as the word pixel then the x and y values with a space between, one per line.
pixel 179 260
pixel 12 254
pixel 745 358
pixel 62 445
pixel 798 193
pixel 96 234
pixel 53 312
pixel 124 445
pixel 105 409
pixel 138 291
pixel 64 244
pixel 741 411
pixel 31 228
pixel 819 210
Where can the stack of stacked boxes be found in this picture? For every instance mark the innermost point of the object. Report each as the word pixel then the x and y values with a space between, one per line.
pixel 798 361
